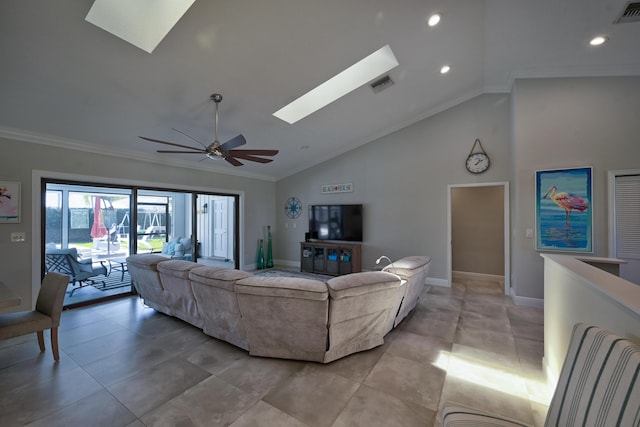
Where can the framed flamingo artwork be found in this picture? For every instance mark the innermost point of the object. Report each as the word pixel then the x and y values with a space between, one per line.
pixel 9 202
pixel 564 219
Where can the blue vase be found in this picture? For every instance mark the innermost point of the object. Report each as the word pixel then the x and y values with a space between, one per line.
pixel 269 251
pixel 260 260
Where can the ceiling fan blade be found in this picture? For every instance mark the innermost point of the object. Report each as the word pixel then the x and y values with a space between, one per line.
pixel 234 142
pixel 252 158
pixel 167 143
pixel 233 161
pixel 181 152
pixel 190 137
pixel 253 152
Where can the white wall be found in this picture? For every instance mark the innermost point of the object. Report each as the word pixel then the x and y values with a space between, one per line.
pixel 577 292
pixel 402 181
pixel 19 159
pixel 559 123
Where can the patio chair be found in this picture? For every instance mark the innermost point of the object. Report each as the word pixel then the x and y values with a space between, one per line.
pixel 599 386
pixel 80 271
pixel 45 316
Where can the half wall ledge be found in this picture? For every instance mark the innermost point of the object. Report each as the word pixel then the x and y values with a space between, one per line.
pixel 575 290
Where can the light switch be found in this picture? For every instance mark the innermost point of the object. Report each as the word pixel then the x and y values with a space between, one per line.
pixel 528 233
pixel 17 236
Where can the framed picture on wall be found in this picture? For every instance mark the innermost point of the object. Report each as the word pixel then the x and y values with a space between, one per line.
pixel 564 218
pixel 9 202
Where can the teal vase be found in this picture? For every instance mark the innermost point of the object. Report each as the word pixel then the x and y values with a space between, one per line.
pixel 260 260
pixel 269 252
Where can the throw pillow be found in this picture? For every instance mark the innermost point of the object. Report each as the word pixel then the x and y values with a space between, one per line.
pixel 178 250
pixel 171 248
pixel 186 243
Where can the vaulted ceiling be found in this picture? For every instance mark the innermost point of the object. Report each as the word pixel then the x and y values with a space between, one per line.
pixel 67 82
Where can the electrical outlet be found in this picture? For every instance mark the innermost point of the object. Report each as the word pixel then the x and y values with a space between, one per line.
pixel 17 236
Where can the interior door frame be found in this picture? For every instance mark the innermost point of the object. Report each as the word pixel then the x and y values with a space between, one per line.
pixel 507 240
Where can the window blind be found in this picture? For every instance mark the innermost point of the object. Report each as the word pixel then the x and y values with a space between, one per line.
pixel 627 205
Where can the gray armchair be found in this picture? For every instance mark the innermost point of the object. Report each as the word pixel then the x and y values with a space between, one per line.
pixel 65 261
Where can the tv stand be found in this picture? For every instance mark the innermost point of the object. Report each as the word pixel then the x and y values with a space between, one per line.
pixel 330 258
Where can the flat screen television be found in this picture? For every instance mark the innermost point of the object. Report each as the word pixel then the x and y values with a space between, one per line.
pixel 336 222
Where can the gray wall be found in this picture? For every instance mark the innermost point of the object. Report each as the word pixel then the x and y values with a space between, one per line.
pixel 19 159
pixel 559 123
pixel 402 178
pixel 402 181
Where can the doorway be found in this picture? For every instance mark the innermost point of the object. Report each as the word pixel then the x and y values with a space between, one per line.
pixel 624 221
pixel 478 230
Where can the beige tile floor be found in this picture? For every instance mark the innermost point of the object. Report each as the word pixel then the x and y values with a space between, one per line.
pixel 125 365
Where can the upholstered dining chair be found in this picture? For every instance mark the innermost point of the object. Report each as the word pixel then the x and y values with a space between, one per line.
pixel 45 316
pixel 599 386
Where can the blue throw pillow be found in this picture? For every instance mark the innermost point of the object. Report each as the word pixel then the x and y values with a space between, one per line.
pixel 171 248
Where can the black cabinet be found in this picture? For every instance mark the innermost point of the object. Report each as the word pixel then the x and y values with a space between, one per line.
pixel 329 258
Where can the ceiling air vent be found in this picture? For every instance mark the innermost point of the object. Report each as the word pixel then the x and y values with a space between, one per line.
pixel 381 84
pixel 631 13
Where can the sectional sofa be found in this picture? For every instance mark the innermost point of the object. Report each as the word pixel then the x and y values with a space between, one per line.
pixel 284 317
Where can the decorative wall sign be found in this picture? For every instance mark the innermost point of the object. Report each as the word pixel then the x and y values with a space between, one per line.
pixel 9 202
pixel 293 207
pixel 337 188
pixel 564 218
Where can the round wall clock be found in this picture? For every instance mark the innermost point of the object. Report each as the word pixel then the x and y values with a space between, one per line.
pixel 477 162
pixel 293 207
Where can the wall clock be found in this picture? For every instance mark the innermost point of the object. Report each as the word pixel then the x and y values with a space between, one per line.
pixel 293 207
pixel 477 162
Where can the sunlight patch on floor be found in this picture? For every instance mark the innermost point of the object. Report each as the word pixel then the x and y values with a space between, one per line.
pixel 494 377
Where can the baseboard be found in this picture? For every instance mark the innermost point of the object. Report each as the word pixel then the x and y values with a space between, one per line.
pixel 478 276
pixel 527 301
pixel 286 263
pixel 437 282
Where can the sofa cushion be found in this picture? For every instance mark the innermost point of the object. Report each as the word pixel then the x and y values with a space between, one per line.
pixel 146 261
pixel 360 283
pixel 220 277
pixel 290 287
pixel 176 268
pixel 407 266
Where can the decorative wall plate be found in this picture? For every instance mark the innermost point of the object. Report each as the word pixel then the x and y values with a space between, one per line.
pixel 293 207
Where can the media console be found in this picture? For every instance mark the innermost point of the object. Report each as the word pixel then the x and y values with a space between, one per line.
pixel 329 258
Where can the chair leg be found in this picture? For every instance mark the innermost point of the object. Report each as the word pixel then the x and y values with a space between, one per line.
pixel 54 343
pixel 41 341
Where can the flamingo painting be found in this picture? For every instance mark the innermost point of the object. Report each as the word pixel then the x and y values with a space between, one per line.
pixel 567 201
pixel 569 190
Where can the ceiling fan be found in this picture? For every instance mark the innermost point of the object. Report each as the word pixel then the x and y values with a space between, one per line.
pixel 216 150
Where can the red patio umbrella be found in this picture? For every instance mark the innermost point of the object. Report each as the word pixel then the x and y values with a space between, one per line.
pixel 98 229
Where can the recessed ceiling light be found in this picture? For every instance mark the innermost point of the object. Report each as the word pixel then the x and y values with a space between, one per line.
pixel 434 19
pixel 445 69
pixel 363 71
pixel 598 40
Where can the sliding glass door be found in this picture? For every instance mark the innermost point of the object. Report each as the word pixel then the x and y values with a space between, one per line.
pixel 90 229
pixel 87 236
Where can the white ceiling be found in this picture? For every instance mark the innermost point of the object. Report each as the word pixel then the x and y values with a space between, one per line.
pixel 67 82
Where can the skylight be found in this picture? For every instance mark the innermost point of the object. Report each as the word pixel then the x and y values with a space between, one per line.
pixel 143 23
pixel 359 74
